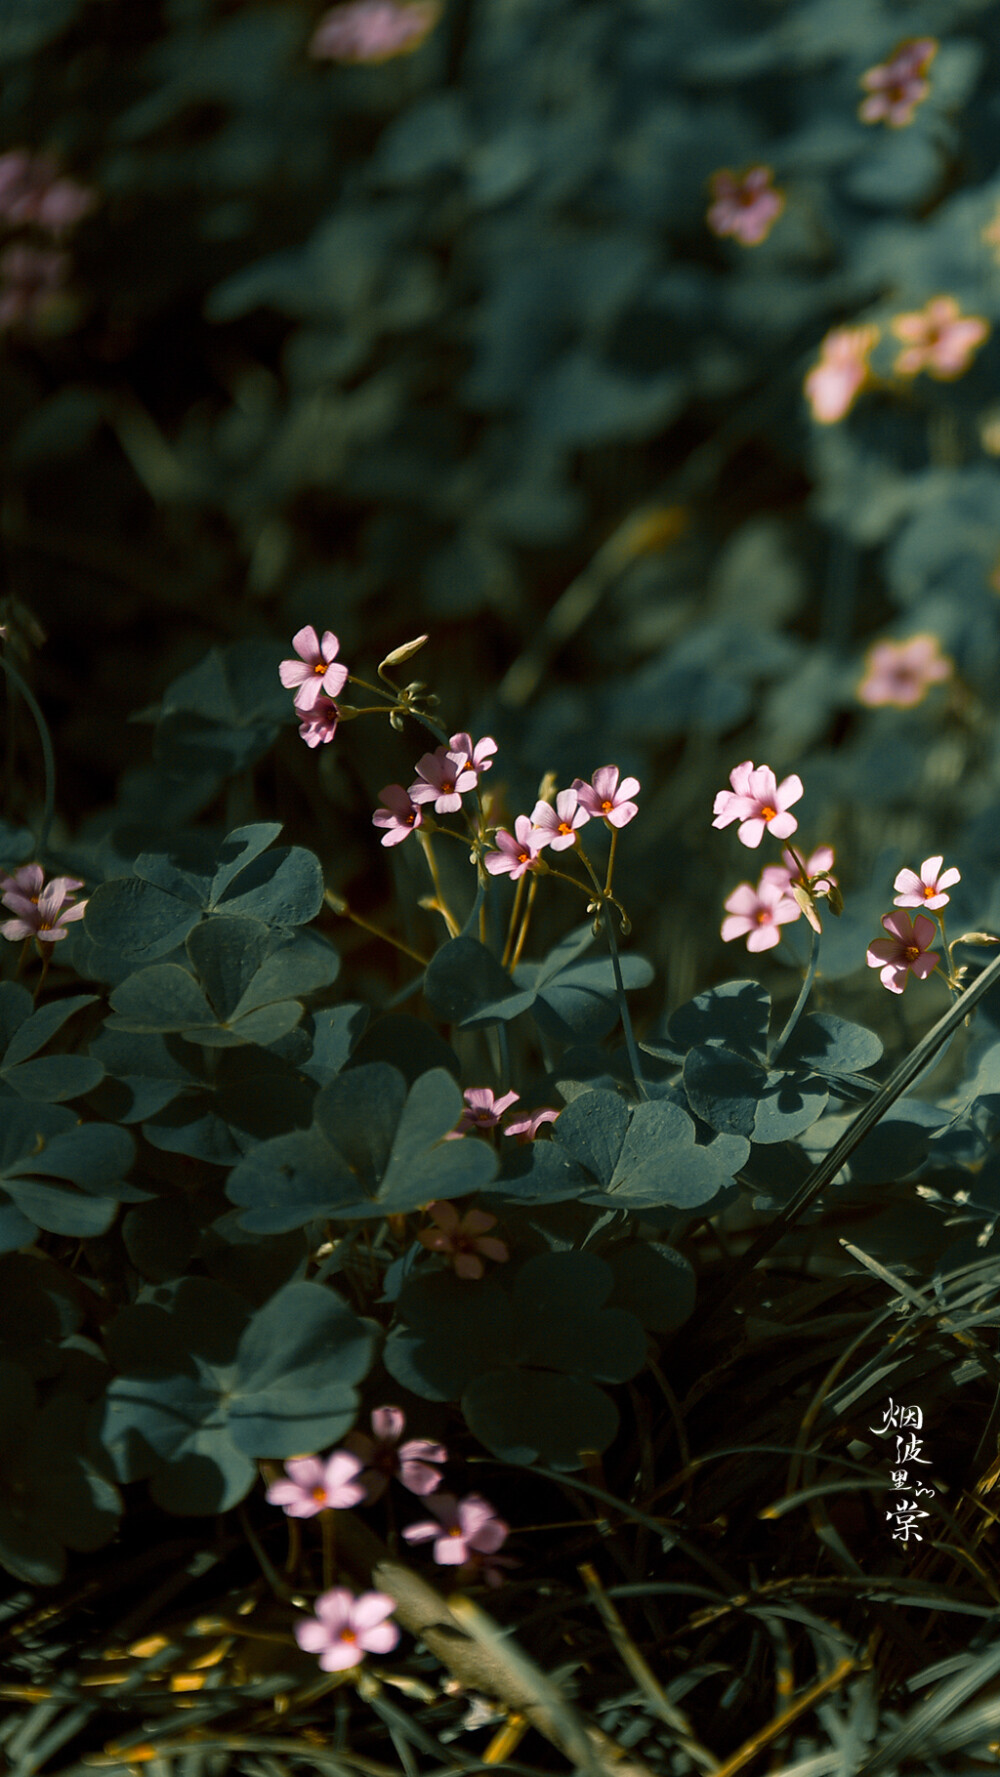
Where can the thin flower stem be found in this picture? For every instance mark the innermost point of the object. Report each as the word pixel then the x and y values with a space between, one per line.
pixel 522 935
pixel 630 1042
pixel 800 1004
pixel 48 757
pixel 405 708
pixel 329 1550
pixel 442 906
pixel 611 860
pixel 515 914
pixel 46 953
pixel 340 907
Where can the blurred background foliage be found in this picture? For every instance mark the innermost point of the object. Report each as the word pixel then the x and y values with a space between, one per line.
pixel 445 344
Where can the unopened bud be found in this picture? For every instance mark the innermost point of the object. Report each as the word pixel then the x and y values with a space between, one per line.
pixel 835 900
pixel 547 787
pixel 404 652
pixel 804 901
pixel 976 938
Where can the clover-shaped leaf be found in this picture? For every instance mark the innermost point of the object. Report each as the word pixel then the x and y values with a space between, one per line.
pixel 23 1031
pixel 59 1174
pixel 646 1156
pixel 51 1495
pixel 734 1014
pixel 736 1096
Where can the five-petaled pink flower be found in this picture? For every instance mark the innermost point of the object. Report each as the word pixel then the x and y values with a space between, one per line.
pixel 476 757
pixel 526 1124
pixel 400 816
pixel 907 948
pixel 757 913
pixel 373 30
pixel 313 1485
pixel 606 798
pixel 758 802
pixel 442 780
pixel 483 1109
pixel 346 1628
pixel 902 673
pixel 516 852
pixel 559 825
pixel 463 1239
pixel 938 338
pixel 320 723
pixel 317 669
pixel 929 888
pixel 383 1455
pixel 836 380
pixel 31 279
pixel 32 190
pixel 745 205
pixel 897 87
pixel 41 911
pixel 818 874
pixel 466 1533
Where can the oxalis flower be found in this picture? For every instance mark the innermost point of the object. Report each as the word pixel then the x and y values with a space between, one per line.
pixel 400 816
pixel 373 30
pixel 384 1456
pixel 607 799
pixel 835 382
pixel 472 756
pixel 525 1125
pixel 897 87
pixel 901 673
pixel 42 912
pixel 758 913
pixel 559 825
pixel 320 724
pixel 516 852
pixel 316 670
pixel 466 1534
pixel 939 339
pixel 927 889
pixel 483 1110
pixel 745 205
pixel 346 1628
pixel 461 1239
pixel 818 871
pixel 442 780
pixel 758 802
pixel 312 1485
pixel 907 948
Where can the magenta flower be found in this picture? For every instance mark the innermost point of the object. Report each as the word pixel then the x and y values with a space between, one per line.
pixel 758 802
pixel 315 671
pixel 466 1533
pixel 30 280
pixel 400 817
pixel 907 947
pixel 461 1239
pixel 525 1126
pixel 383 1455
pixel 320 724
pixel 373 30
pixel 312 1485
pixel 516 852
pixel 346 1628
pixel 40 912
pixel 441 780
pixel 898 86
pixel 606 798
pixel 745 205
pixel 32 191
pixel 939 339
pixel 902 673
pixel 757 913
pixel 817 871
pixel 834 383
pixel 927 889
pixel 482 1109
pixel 477 757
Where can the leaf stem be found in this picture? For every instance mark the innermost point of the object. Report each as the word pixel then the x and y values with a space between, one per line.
pixel 800 1004
pixel 630 1042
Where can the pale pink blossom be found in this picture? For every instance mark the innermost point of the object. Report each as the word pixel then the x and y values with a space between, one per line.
pixel 897 87
pixel 400 817
pixel 758 802
pixel 312 1484
pixel 31 278
pixel 836 380
pixel 316 671
pixel 476 757
pixel 483 1109
pixel 929 888
pixel 441 780
pixel 346 1628
pixel 938 338
pixel 42 912
pixel 745 205
pixel 33 191
pixel 320 724
pixel 907 948
pixel 466 1534
pixel 462 1239
pixel 383 1456
pixel 902 673
pixel 757 913
pixel 606 798
pixel 525 1125
pixel 559 824
pixel 373 30
pixel 817 875
pixel 516 852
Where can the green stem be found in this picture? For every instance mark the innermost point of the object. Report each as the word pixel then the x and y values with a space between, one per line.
pixel 48 756
pixel 630 1042
pixel 800 1004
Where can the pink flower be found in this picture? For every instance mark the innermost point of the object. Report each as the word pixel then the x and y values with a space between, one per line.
pixel 400 817
pixel 927 889
pixel 478 757
pixel 373 30
pixel 758 802
pixel 525 1126
pixel 320 724
pixel 907 947
pixel 30 279
pixel 834 383
pixel 314 672
pixel 313 1485
pixel 901 673
pixel 940 339
pixel 461 1240
pixel 515 855
pixel 345 1628
pixel 441 780
pixel 31 190
pixel 817 871
pixel 41 912
pixel 897 86
pixel 383 1455
pixel 482 1109
pixel 608 799
pixel 559 824
pixel 746 205
pixel 466 1533
pixel 756 914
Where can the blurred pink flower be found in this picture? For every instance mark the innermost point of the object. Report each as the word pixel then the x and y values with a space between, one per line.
pixel 525 1126
pixel 33 191
pixel 901 673
pixel 559 824
pixel 316 671
pixel 462 1240
pixel 313 1485
pixel 907 948
pixel 940 339
pixel 606 798
pixel 745 205
pixel 834 383
pixel 320 723
pixel 383 1455
pixel 400 817
pixel 441 780
pixel 927 889
pixel 30 279
pixel 897 87
pixel 757 913
pixel 466 1534
pixel 482 1109
pixel 345 1628
pixel 817 871
pixel 42 912
pixel 373 30
pixel 758 802
pixel 478 757
pixel 516 852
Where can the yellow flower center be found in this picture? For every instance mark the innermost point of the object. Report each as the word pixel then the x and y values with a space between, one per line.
pixel 911 952
pixel 768 813
pixel 930 889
